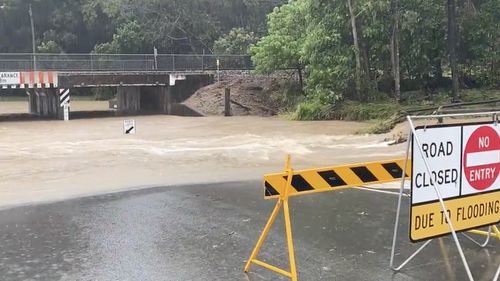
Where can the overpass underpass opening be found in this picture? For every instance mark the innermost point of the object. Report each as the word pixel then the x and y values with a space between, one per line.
pixel 13 103
pixel 92 102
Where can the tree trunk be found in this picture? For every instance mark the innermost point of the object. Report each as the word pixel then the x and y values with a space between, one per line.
pixel 372 81
pixel 356 50
pixel 452 45
pixel 395 53
pixel 438 70
pixel 299 69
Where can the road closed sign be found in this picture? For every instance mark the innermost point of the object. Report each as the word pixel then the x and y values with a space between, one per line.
pixel 481 158
pixel 464 162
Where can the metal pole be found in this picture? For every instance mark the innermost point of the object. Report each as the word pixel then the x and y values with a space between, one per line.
pixel 218 70
pixel 91 62
pixel 155 53
pixel 440 198
pixel 401 188
pixel 203 61
pixel 32 37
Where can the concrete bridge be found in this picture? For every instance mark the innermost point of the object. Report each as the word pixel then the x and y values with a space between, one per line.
pixel 152 83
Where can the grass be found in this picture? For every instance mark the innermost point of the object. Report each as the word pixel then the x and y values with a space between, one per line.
pixel 383 114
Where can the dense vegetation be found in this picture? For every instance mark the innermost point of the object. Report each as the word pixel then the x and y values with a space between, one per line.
pixel 130 26
pixel 341 50
pixel 369 50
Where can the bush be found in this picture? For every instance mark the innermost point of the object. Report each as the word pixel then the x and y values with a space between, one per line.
pixel 312 110
pixel 355 111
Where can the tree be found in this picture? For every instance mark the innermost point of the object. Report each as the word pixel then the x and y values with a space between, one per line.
pixel 356 49
pixel 128 39
pixel 395 51
pixel 237 42
pixel 282 48
pixel 452 47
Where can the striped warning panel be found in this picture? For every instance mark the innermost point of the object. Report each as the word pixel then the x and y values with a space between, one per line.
pixel 336 177
pixel 39 79
pixel 64 97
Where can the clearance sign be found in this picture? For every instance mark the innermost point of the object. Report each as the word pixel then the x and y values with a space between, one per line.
pixel 464 162
pixel 10 78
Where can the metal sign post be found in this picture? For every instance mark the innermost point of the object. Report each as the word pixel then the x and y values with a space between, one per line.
pixel 218 70
pixel 155 53
pixel 64 102
pixel 66 112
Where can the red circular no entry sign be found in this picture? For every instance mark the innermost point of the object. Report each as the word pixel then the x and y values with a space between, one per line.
pixel 482 158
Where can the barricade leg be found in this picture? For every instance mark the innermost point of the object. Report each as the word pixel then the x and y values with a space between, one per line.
pixel 493 232
pixel 282 202
pixel 263 235
pixel 291 253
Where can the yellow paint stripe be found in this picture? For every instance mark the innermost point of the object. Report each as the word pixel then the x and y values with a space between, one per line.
pixel 348 175
pixel 379 172
pixel 278 182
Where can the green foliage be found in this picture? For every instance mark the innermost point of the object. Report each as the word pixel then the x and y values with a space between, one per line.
pixel 238 41
pixel 481 41
pixel 128 39
pixel 49 47
pixel 173 26
pixel 282 47
pixel 311 109
pixel 356 111
pixel 286 96
pixel 317 35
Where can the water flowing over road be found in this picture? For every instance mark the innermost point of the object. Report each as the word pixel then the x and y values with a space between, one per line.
pixel 54 160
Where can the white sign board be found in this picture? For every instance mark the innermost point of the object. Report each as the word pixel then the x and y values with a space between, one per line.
pixel 10 78
pixel 442 149
pixel 464 160
pixel 129 127
pixel 175 77
pixel 464 164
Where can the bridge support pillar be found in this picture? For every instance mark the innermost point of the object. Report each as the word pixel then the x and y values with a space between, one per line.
pixel 165 95
pixel 44 102
pixel 129 99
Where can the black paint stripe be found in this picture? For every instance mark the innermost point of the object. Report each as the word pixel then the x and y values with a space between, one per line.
pixel 364 174
pixel 394 170
pixel 63 96
pixel 270 191
pixel 332 178
pixel 64 102
pixel 299 183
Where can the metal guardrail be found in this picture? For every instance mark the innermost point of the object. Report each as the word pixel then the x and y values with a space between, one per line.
pixel 123 62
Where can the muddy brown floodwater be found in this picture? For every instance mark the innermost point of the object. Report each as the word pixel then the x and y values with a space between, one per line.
pixel 44 161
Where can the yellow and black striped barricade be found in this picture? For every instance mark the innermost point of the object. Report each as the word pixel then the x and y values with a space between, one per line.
pixel 293 183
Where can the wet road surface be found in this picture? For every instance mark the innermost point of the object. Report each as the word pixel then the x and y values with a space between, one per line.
pixel 206 232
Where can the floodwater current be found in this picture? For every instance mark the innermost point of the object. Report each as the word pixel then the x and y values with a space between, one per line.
pixel 54 160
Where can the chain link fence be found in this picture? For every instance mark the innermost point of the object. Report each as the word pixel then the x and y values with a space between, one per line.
pixel 123 62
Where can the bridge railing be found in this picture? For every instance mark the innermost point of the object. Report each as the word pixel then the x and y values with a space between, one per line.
pixel 123 62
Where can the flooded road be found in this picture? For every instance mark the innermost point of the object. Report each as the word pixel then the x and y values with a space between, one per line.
pixel 54 160
pixel 206 233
